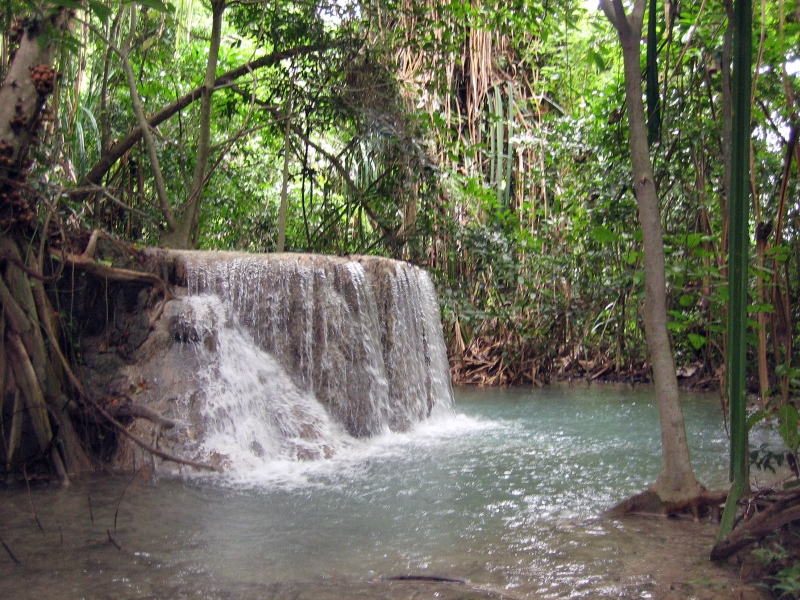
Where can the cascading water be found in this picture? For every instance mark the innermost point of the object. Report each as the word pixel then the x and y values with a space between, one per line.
pixel 298 355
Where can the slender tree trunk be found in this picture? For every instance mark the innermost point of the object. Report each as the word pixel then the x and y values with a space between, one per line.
pixel 676 481
pixel 182 235
pixel 763 231
pixel 138 110
pixel 287 148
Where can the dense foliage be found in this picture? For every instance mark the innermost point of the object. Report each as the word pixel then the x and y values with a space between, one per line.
pixel 483 140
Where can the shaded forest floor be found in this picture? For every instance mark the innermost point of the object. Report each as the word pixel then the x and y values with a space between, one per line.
pixel 489 361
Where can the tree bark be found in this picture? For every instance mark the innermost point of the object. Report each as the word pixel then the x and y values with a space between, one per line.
pixel 33 383
pixel 676 481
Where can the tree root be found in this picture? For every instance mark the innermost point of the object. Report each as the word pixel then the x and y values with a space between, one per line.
pixel 785 510
pixel 650 503
pixel 134 410
pixel 87 262
pixel 151 449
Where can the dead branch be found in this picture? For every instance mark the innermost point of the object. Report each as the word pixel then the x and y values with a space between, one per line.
pixel 134 410
pixel 119 274
pixel 151 449
pixel 783 511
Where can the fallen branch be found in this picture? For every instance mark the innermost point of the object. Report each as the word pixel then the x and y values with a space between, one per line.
pixel 84 263
pixel 431 578
pixel 783 511
pixel 132 409
pixel 153 450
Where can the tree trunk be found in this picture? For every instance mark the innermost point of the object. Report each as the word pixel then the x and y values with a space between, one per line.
pixel 182 235
pixel 676 482
pixel 37 429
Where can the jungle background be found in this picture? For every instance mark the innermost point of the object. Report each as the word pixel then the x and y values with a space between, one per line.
pixel 485 141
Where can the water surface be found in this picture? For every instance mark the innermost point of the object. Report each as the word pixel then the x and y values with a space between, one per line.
pixel 503 495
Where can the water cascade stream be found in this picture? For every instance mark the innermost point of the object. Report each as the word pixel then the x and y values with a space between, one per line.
pixel 291 356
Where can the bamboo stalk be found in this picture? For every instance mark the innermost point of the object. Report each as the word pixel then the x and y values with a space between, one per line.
pixel 498 123
pixel 510 155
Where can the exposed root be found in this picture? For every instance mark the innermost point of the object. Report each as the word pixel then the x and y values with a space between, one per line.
pixel 704 503
pixel 128 408
pixel 84 263
pixel 151 449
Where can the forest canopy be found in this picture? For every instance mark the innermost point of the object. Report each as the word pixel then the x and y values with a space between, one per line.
pixel 485 141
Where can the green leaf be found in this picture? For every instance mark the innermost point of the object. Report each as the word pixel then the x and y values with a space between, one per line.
pixel 603 235
pixel 686 300
pixel 765 307
pixel 632 256
pixel 597 59
pixel 157 5
pixel 697 341
pixel 756 417
pixel 694 239
pixel 100 10
pixel 788 426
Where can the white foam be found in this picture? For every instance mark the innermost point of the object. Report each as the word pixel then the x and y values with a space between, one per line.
pixel 315 364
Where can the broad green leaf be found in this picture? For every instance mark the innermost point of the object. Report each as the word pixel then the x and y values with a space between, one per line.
pixel 765 307
pixel 756 417
pixel 694 239
pixel 597 59
pixel 100 10
pixel 157 5
pixel 698 341
pixel 686 300
pixel 603 235
pixel 788 426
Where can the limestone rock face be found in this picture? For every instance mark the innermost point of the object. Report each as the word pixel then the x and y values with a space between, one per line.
pixel 287 356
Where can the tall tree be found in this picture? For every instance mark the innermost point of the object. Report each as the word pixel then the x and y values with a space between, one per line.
pixel 676 484
pixel 31 376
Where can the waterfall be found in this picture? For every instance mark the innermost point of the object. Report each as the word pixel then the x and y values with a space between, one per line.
pixel 301 354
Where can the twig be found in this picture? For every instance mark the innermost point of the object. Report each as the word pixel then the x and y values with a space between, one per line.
pixel 113 541
pixel 122 495
pixel 30 499
pixel 120 203
pixel 91 513
pixel 10 553
pixel 160 453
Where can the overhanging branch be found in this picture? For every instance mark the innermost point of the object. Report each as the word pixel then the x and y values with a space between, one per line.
pixel 118 150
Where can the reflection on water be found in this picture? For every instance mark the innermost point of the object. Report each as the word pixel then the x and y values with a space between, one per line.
pixel 503 496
